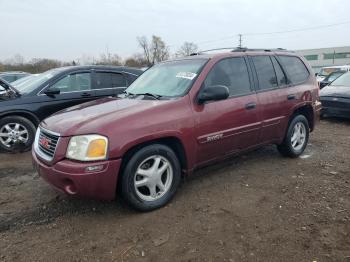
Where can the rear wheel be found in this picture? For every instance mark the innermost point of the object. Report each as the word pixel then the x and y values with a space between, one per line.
pixel 296 138
pixel 151 177
pixel 16 134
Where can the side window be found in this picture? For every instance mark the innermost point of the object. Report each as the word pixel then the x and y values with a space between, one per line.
pixel 109 80
pixel 295 68
pixel 118 80
pixel 265 72
pixel 103 80
pixel 281 78
pixel 74 82
pixel 230 72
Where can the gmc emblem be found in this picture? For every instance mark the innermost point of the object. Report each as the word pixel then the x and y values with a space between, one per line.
pixel 44 142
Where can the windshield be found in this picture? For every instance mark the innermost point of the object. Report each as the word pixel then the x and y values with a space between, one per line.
pixel 32 82
pixel 343 80
pixel 333 76
pixel 171 79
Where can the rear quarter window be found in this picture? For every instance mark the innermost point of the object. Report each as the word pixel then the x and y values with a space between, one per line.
pixel 295 68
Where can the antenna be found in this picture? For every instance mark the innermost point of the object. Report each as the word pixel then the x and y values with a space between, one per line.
pixel 240 40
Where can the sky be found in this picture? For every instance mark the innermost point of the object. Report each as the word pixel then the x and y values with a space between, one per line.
pixel 69 29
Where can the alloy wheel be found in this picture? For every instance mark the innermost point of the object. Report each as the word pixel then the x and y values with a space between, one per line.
pixel 299 136
pixel 153 178
pixel 13 133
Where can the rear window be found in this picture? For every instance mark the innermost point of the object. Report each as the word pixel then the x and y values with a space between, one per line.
pixel 296 70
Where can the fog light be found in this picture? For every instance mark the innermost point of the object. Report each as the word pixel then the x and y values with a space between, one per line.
pixel 94 168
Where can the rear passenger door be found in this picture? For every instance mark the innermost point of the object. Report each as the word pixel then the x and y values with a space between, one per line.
pixel 107 83
pixel 270 81
pixel 297 74
pixel 227 126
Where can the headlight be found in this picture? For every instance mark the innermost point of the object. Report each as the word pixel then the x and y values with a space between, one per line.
pixel 87 148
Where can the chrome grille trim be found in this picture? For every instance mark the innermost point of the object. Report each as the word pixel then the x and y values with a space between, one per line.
pixel 46 153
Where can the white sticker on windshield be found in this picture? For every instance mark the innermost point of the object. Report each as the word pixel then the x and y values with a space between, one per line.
pixel 187 75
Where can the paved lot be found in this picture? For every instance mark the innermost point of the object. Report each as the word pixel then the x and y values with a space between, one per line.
pixel 256 207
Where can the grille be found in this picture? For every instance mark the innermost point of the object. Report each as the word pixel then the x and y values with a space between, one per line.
pixel 47 143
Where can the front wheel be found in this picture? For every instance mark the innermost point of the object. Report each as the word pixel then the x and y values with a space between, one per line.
pixel 296 138
pixel 151 177
pixel 16 134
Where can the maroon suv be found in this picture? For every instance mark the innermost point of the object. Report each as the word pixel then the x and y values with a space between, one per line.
pixel 176 117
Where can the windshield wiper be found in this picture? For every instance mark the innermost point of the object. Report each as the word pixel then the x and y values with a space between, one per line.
pixel 149 94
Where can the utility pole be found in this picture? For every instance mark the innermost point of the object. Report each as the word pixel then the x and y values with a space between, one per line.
pixel 240 40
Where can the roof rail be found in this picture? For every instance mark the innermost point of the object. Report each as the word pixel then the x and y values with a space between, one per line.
pixel 209 50
pixel 244 49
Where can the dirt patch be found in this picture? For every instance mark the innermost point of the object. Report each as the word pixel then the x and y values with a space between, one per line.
pixel 256 207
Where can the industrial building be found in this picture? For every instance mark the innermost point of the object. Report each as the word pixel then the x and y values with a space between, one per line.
pixel 322 57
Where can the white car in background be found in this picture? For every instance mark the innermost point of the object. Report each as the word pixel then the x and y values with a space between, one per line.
pixel 325 71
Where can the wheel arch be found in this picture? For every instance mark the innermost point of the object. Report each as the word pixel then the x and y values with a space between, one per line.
pixel 28 115
pixel 307 111
pixel 173 142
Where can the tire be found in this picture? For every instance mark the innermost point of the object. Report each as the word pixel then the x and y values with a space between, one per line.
pixel 287 148
pixel 19 130
pixel 140 169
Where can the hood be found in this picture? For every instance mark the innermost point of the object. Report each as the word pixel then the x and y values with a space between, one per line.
pixel 335 91
pixel 95 116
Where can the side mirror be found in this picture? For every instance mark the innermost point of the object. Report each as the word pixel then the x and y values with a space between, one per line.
pixel 52 91
pixel 213 93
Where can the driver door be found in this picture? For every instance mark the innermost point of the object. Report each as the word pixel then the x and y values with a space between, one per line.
pixel 75 89
pixel 227 126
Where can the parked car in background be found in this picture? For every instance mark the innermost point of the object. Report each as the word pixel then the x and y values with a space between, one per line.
pixel 23 79
pixel 335 98
pixel 10 77
pixel 178 116
pixel 325 71
pixel 28 102
pixel 330 78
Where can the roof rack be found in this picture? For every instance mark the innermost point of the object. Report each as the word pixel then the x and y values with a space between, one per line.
pixel 209 50
pixel 242 49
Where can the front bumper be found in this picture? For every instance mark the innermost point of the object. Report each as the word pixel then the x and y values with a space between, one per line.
pixel 73 178
pixel 334 106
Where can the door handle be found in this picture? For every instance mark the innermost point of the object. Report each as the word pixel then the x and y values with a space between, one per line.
pixel 250 106
pixel 291 97
pixel 85 94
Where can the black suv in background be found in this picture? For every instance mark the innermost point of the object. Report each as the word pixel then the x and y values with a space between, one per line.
pixel 23 106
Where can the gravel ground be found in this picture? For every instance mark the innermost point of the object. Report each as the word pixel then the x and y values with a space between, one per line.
pixel 256 207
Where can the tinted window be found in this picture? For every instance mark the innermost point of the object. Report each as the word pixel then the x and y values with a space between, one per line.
pixel 265 72
pixel 109 80
pixel 118 80
pixel 281 78
pixel 232 73
pixel 295 68
pixel 74 82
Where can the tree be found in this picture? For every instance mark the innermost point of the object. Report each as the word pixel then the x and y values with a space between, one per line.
pixel 137 60
pixel 16 60
pixel 154 51
pixel 109 59
pixel 186 49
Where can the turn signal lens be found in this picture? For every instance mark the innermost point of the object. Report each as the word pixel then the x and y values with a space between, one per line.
pixel 97 148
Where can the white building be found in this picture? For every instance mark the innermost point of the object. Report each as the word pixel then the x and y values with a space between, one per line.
pixel 322 57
